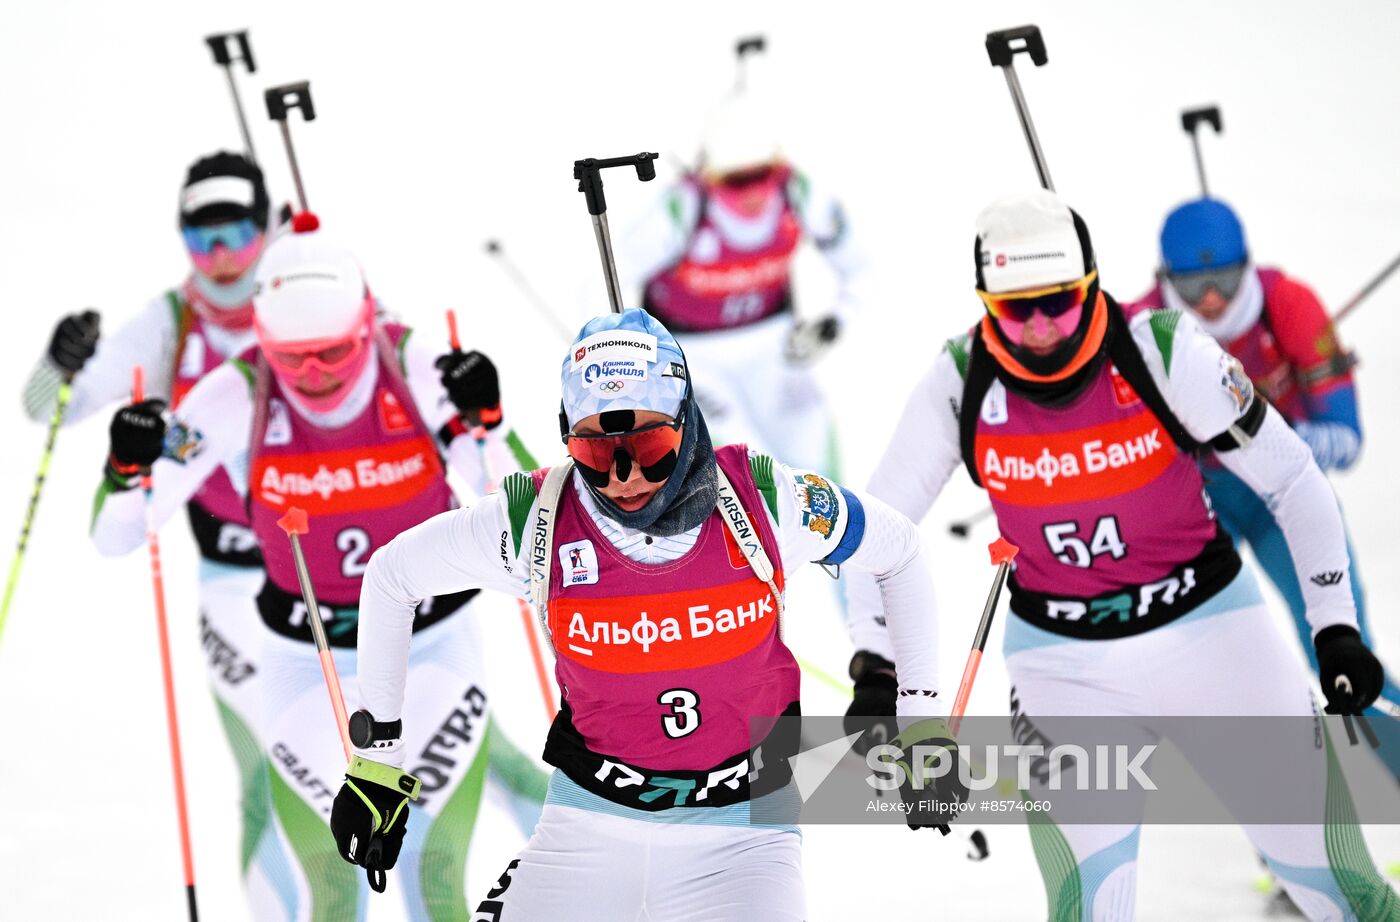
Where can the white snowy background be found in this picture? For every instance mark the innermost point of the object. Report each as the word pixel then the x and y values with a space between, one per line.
pixel 441 126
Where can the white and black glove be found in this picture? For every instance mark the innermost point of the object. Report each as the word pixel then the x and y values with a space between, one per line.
pixel 810 339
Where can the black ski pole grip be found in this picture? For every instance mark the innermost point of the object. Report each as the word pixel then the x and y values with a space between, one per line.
pixel 753 44
pixel 1192 118
pixel 1004 44
pixel 588 172
pixel 218 44
pixel 282 99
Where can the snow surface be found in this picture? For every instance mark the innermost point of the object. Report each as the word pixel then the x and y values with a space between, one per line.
pixel 442 126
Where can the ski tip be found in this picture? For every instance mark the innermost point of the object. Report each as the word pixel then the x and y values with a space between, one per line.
pixel 294 522
pixel 1003 551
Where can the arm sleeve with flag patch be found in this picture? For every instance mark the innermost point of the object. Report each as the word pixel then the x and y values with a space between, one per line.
pixel 211 429
pixel 1308 339
pixel 1210 394
pixel 462 549
pixel 820 521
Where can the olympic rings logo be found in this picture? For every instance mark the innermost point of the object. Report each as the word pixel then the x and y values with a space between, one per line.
pixel 611 387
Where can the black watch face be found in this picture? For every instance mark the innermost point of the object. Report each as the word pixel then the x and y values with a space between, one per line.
pixel 361 729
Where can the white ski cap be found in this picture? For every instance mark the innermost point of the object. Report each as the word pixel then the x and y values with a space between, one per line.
pixel 1028 240
pixel 741 132
pixel 308 287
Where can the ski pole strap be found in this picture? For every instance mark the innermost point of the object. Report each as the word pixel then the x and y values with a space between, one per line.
pixel 746 536
pixel 388 776
pixel 542 548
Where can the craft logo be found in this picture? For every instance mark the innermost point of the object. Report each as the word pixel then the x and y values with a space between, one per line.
pixel 579 562
pixel 816 497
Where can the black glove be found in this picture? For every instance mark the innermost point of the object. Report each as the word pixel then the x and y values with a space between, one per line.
pixel 370 815
pixel 810 338
pixel 74 341
pixel 138 436
pixel 471 383
pixel 930 803
pixel 875 692
pixel 1343 660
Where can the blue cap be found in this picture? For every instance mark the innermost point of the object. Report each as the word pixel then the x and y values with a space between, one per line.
pixel 625 361
pixel 1204 234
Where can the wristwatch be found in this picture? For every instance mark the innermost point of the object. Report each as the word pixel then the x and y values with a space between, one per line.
pixel 368 733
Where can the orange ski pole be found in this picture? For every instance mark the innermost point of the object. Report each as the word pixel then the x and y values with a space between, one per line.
pixel 294 523
pixel 527 618
pixel 172 720
pixel 1003 552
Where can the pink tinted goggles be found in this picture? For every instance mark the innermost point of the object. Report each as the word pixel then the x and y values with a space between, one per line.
pixel 339 357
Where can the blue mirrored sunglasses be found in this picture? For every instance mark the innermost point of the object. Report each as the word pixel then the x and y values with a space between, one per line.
pixel 234 235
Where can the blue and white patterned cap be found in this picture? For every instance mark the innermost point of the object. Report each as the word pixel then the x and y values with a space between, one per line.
pixel 625 361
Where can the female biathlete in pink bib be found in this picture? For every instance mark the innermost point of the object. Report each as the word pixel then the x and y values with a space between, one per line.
pixel 1128 598
pixel 657 564
pixel 347 418
pixel 225 218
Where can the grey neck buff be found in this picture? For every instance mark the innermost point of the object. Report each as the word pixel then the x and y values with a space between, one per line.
pixel 690 493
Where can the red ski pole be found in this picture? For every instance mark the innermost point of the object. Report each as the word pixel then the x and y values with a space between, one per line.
pixel 527 618
pixel 1003 552
pixel 172 720
pixel 294 523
